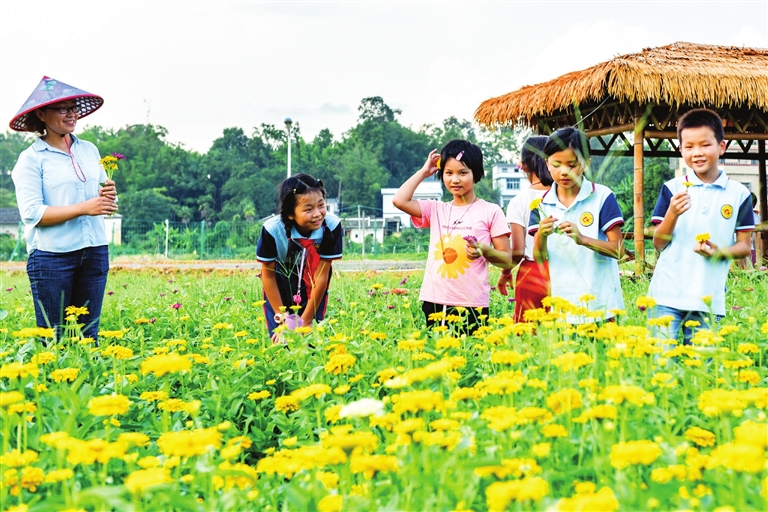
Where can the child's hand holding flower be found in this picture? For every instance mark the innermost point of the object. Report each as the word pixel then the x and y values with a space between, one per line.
pixel 473 248
pixel 705 247
pixel 536 205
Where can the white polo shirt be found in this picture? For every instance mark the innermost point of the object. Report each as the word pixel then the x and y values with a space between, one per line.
pixel 682 277
pixel 576 270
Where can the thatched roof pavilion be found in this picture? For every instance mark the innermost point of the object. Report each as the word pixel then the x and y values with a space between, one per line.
pixel 648 92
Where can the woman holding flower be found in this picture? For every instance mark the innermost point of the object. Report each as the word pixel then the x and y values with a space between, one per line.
pixel 63 194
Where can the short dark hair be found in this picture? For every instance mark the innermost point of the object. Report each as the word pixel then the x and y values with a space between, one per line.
pixel 532 157
pixel 699 117
pixel 34 124
pixel 287 191
pixel 471 156
pixel 567 138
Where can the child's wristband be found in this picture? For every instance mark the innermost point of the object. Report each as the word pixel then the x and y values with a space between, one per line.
pixel 278 318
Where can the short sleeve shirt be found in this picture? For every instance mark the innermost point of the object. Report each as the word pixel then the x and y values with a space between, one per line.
pixel 451 278
pixel 46 176
pixel 519 213
pixel 576 270
pixel 275 246
pixel 682 277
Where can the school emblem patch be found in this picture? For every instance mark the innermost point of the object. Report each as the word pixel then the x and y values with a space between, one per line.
pixel 727 211
pixel 586 219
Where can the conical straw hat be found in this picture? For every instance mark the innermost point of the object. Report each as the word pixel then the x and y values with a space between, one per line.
pixel 50 91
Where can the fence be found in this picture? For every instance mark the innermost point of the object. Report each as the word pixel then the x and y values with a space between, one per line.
pixel 217 240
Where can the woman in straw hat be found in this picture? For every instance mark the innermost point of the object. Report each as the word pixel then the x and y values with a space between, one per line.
pixel 63 194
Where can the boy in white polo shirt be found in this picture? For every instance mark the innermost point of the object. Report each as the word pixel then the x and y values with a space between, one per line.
pixel 696 217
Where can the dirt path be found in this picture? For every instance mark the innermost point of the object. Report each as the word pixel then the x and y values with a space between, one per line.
pixel 343 266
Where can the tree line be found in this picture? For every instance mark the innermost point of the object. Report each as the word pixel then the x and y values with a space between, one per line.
pixel 237 178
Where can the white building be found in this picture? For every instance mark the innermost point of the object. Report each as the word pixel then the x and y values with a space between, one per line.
pixel 509 181
pixel 395 219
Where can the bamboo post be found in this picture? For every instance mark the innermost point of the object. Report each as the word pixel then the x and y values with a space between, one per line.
pixel 763 201
pixel 639 216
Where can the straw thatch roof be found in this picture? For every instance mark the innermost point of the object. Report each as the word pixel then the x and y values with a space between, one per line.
pixel 680 74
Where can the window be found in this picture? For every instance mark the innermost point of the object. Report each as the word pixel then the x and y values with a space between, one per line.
pixel 513 183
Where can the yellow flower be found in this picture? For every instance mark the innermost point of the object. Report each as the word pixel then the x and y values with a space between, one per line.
pixel 554 430
pixel 369 465
pixel 499 495
pixel 316 390
pixel 118 352
pixel 153 396
pixel 634 452
pixel 339 363
pixel 59 475
pixel 165 363
pixel 331 503
pixel 176 405
pixel 687 184
pixel 535 203
pixel 43 358
pixel 112 334
pixel 702 237
pixel 186 443
pixel 700 436
pixel 603 500
pixel 108 405
pixel 34 332
pixel 259 395
pixel 451 254
pixel 17 459
pixel 564 400
pixel 286 404
pixel 10 397
pixel 143 479
pixel 18 370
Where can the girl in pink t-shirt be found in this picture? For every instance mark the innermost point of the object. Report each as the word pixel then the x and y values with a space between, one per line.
pixel 465 236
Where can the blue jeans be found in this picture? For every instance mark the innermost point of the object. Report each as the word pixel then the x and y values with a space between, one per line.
pixel 680 317
pixel 76 278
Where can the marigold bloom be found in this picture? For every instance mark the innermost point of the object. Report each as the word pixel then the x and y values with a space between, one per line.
pixel 10 397
pixel 703 237
pixel 17 459
pixel 108 405
pixel 112 334
pixel 603 500
pixel 153 396
pixel 34 332
pixel 316 390
pixel 716 402
pixel 31 478
pixel 176 405
pixel 738 457
pixel 165 363
pixel 187 443
pixel 348 442
pixel 133 438
pixel 331 503
pixel 554 430
pixel 499 495
pixel 752 433
pixel 632 394
pixel 286 404
pixel 700 436
pixel 259 395
pixel 564 400
pixel 369 465
pixel 43 358
pixel 59 475
pixel 634 452
pixel 117 352
pixel 340 363
pixel 143 479
pixel 18 370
